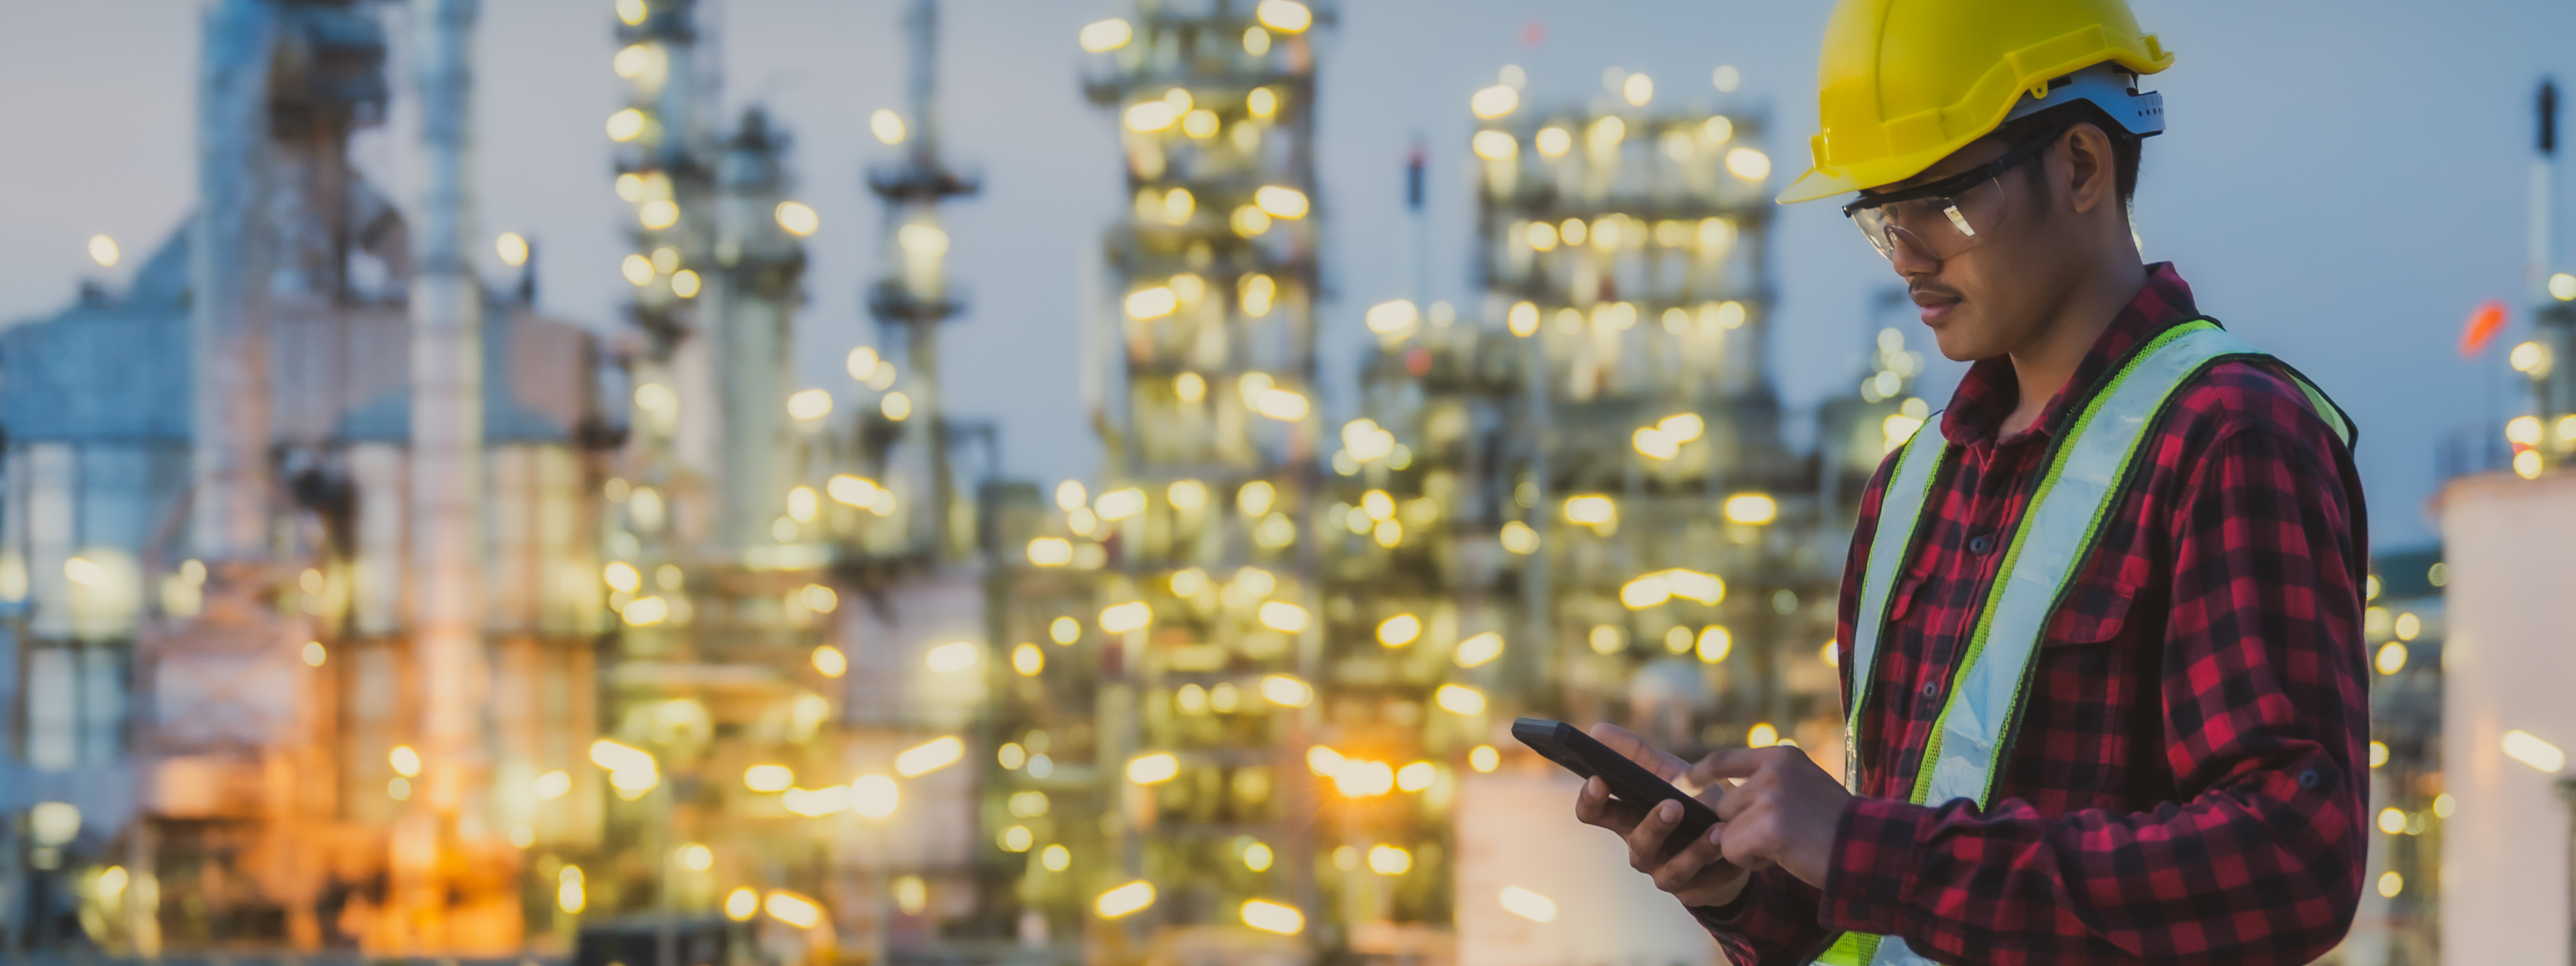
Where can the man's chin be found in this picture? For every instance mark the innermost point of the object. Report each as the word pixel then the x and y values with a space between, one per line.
pixel 1955 343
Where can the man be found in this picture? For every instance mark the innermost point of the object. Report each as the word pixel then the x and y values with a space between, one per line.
pixel 2100 628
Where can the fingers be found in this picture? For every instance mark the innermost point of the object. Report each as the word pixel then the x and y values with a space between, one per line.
pixel 1619 739
pixel 1646 840
pixel 1728 763
pixel 1627 743
pixel 1749 842
pixel 1594 806
pixel 1760 771
pixel 1680 871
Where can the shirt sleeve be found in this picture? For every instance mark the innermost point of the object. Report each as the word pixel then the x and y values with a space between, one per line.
pixel 1772 922
pixel 2265 714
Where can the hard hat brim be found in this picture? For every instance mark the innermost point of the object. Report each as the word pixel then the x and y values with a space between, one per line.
pixel 1818 184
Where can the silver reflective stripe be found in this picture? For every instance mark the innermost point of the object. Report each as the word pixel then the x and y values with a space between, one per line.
pixel 2055 535
pixel 1900 513
pixel 1892 951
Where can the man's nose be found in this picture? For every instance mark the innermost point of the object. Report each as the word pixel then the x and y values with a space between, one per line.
pixel 1908 256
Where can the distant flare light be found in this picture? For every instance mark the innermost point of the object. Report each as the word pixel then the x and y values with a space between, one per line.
pixel 887 126
pixel 625 125
pixel 102 250
pixel 1399 630
pixel 631 61
pixel 1124 900
pixel 768 778
pixel 1528 905
pixel 1748 164
pixel 1752 508
pixel 1273 917
pixel 1284 617
pixel 1637 90
pixel 1287 692
pixel 1478 650
pixel 798 218
pixel 1285 16
pixel 1283 405
pixel 809 404
pixel 793 909
pixel 920 239
pixel 930 756
pixel 2483 325
pixel 1050 551
pixel 1153 769
pixel 1121 618
pixel 873 796
pixel 1104 35
pixel 953 656
pixel 1147 117
pixel 1281 201
pixel 1147 304
pixel 1460 699
pixel 2531 749
pixel 1389 318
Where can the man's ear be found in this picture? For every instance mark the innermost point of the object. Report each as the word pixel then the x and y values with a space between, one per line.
pixel 2092 175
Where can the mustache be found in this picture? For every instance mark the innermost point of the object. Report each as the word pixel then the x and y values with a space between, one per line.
pixel 1933 291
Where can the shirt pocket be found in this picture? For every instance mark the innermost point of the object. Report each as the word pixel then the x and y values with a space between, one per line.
pixel 2072 745
pixel 1901 604
pixel 2094 612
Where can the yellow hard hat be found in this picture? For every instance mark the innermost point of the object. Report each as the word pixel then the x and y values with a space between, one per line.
pixel 1903 83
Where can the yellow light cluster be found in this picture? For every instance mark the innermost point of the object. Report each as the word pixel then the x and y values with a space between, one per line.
pixel 1663 585
pixel 1664 439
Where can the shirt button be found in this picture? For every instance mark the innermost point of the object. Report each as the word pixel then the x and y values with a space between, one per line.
pixel 2307 779
pixel 1931 690
pixel 1980 543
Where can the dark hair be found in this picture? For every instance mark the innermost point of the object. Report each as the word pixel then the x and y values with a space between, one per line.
pixel 2124 145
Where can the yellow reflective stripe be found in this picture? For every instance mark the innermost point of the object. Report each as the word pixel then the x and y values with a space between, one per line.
pixel 2325 409
pixel 1851 949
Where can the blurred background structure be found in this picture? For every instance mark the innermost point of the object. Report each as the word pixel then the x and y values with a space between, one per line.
pixel 356 608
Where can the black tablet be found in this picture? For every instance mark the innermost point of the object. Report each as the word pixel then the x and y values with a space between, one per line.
pixel 1629 782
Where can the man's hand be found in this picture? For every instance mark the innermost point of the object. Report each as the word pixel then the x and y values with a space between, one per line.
pixel 1785 812
pixel 1698 875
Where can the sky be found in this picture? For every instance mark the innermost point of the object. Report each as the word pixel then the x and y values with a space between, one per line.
pixel 2342 183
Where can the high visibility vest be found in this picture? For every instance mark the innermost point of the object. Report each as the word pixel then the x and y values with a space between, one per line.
pixel 2087 470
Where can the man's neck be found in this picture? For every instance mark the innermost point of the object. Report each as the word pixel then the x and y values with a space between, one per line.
pixel 2043 366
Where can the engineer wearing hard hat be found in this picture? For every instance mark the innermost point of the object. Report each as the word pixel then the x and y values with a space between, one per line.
pixel 2100 627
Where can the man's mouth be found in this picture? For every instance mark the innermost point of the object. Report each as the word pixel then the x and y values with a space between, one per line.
pixel 1934 303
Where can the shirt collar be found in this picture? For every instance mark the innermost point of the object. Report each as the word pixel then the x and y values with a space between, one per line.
pixel 1989 392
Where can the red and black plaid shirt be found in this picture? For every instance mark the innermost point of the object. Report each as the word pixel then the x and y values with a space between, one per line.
pixel 2188 781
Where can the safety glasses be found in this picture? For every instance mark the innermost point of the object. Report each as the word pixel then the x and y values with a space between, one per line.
pixel 1949 216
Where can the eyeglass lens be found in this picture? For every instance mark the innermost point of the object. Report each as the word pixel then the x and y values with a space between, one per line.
pixel 1936 228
